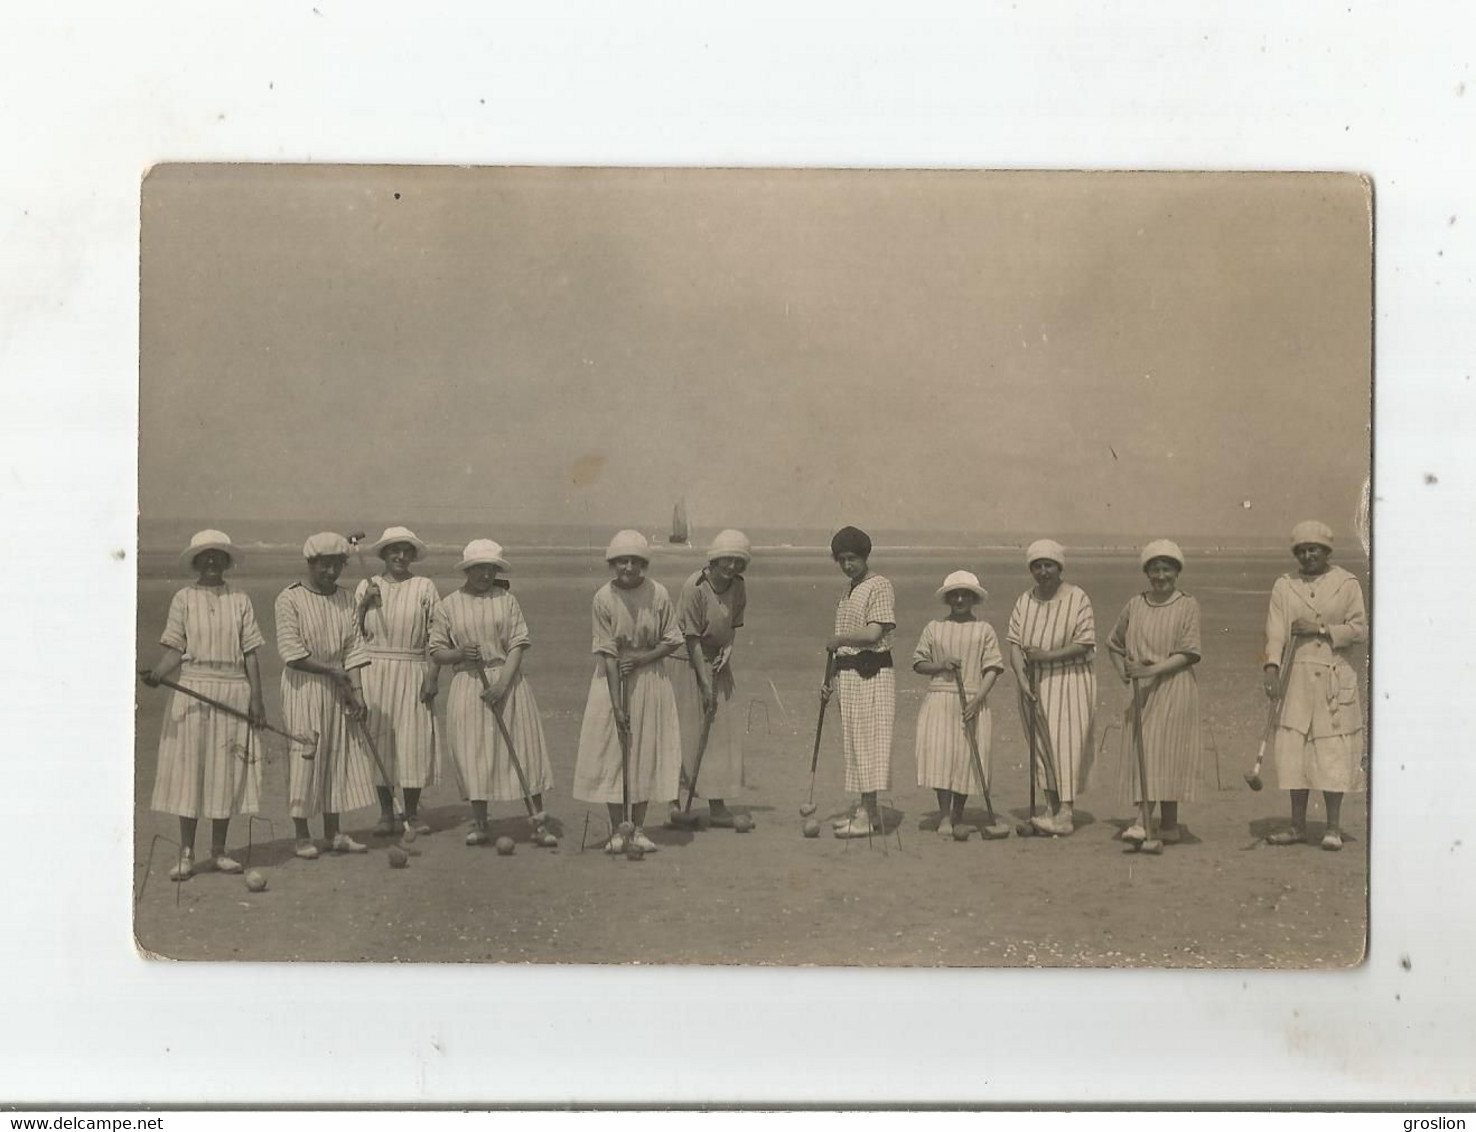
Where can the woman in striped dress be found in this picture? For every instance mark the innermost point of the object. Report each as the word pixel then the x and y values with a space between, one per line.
pixel 1052 636
pixel 480 629
pixel 400 682
pixel 862 643
pixel 322 694
pixel 206 765
pixel 1316 616
pixel 635 629
pixel 710 613
pixel 1156 643
pixel 959 643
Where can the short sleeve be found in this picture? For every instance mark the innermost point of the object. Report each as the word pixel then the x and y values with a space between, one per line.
pixel 173 636
pixel 603 617
pixel 1117 642
pixel 1187 641
pixel 740 603
pixel 355 655
pixel 692 610
pixel 923 654
pixel 881 604
pixel 360 590
pixel 440 628
pixel 990 655
pixel 290 646
pixel 516 627
pixel 251 638
pixel 666 618
pixel 1015 632
pixel 1084 632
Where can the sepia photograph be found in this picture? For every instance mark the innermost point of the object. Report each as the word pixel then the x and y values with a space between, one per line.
pixel 761 567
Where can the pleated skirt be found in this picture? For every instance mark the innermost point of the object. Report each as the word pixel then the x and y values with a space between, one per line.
pixel 487 771
pixel 944 760
pixel 399 723
pixel 1171 744
pixel 655 741
pixel 340 775
pixel 868 709
pixel 209 763
pixel 721 775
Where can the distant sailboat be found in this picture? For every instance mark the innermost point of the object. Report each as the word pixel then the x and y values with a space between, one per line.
pixel 679 534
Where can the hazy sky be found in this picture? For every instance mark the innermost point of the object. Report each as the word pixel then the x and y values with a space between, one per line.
pixel 795 348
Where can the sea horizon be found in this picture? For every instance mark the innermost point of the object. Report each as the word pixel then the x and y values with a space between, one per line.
pixel 157 535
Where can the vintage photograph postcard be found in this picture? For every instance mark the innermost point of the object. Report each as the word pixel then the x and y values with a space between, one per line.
pixel 766 567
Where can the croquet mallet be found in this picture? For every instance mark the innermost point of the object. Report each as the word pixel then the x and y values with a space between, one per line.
pixel 809 807
pixel 310 742
pixel 622 725
pixel 409 834
pixel 536 817
pixel 371 590
pixel 993 830
pixel 1273 715
pixel 704 729
pixel 1149 844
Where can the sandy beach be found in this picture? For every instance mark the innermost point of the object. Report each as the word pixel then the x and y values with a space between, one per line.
pixel 1220 899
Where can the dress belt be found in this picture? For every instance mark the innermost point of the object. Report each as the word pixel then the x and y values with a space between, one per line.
pixel 203 670
pixel 397 654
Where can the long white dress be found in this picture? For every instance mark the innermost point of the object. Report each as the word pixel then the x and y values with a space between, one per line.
pixel 494 623
pixel 944 759
pixel 339 777
pixel 399 723
pixel 208 765
pixel 642 618
pixel 713 619
pixel 1067 688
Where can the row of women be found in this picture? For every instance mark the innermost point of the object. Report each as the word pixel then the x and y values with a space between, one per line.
pixel 361 677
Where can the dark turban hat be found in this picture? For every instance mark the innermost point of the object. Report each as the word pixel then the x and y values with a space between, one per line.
pixel 850 540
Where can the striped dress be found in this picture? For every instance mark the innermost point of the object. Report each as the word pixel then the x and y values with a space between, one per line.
pixel 713 618
pixel 1169 705
pixel 1319 740
pixel 643 618
pixel 340 775
pixel 944 759
pixel 867 706
pixel 208 767
pixel 399 723
pixel 494 623
pixel 1067 688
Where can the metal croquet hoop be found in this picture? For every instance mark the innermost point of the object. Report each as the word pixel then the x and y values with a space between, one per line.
pixel 149 867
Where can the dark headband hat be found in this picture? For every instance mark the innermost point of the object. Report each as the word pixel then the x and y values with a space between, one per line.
pixel 850 540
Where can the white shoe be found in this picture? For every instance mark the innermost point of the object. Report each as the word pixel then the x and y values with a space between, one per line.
pixel 184 868
pixel 640 840
pixel 343 843
pixel 227 864
pixel 616 844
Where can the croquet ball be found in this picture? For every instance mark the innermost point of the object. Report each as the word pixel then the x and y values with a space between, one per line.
pixel 398 858
pixel 807 809
pixel 505 846
pixel 812 828
pixel 961 832
pixel 634 852
pixel 742 824
pixel 256 881
pixel 626 829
